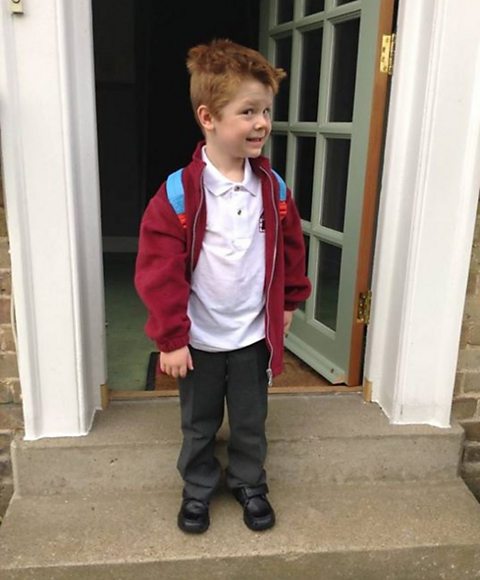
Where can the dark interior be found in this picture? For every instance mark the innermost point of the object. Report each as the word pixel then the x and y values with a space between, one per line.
pixel 146 127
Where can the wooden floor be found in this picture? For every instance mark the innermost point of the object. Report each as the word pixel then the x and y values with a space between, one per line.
pixel 297 377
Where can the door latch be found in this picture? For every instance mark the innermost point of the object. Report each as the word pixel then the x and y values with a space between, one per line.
pixel 16 6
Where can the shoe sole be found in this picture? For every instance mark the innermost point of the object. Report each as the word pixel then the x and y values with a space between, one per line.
pixel 192 528
pixel 260 524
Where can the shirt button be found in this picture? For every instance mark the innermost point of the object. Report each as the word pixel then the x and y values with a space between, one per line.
pixel 239 212
pixel 236 188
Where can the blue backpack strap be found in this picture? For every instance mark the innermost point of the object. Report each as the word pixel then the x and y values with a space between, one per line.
pixel 282 188
pixel 281 185
pixel 176 194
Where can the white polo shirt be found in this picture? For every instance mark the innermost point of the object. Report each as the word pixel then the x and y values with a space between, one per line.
pixel 227 301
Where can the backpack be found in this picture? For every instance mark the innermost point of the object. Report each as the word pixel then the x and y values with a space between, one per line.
pixel 176 195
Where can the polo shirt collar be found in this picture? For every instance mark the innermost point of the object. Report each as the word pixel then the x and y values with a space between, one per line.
pixel 218 184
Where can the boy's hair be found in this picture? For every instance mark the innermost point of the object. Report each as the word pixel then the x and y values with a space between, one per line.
pixel 217 69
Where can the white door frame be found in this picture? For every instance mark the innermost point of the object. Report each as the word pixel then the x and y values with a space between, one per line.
pixel 429 196
pixel 425 228
pixel 50 168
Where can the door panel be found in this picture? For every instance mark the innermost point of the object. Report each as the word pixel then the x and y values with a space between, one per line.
pixel 322 127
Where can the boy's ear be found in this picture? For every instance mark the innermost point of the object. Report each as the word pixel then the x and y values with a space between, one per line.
pixel 205 118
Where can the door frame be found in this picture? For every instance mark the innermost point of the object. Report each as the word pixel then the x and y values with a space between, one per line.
pixel 428 207
pixel 51 184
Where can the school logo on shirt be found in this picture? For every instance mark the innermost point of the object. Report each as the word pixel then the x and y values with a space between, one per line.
pixel 261 224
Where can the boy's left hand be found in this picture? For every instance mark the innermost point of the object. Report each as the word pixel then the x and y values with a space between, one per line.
pixel 287 321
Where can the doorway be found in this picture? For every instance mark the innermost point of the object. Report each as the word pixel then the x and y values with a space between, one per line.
pixel 320 143
pixel 146 130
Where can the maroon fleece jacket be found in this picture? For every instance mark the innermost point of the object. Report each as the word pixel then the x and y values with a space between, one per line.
pixel 169 248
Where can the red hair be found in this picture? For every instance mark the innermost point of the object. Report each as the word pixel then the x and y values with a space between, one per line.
pixel 217 69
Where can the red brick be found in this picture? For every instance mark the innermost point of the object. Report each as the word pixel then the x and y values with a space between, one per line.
pixel 5 283
pixel 16 391
pixel 8 366
pixel 5 315
pixel 4 254
pixel 464 408
pixel 6 392
pixel 459 379
pixel 471 382
pixel 11 417
pixel 5 441
pixel 469 359
pixel 7 343
pixel 472 430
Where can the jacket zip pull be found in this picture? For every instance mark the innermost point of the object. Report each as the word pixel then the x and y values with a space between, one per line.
pixel 270 377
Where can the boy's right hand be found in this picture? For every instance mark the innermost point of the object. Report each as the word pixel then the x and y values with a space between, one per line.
pixel 176 363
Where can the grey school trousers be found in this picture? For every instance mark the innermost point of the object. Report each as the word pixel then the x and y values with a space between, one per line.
pixel 238 377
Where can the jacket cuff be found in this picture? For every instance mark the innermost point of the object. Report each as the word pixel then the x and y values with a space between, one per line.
pixel 173 344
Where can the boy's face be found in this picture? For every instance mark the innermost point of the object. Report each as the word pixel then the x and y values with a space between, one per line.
pixel 243 125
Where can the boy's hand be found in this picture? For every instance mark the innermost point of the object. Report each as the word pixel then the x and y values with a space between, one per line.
pixel 176 363
pixel 287 321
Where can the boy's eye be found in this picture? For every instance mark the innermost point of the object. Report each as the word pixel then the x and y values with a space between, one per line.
pixel 267 111
pixel 248 112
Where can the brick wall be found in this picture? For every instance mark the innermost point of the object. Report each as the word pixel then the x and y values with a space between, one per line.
pixel 10 397
pixel 466 402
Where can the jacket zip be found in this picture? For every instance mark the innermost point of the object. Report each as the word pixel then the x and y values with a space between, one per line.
pixel 267 305
pixel 267 300
pixel 195 220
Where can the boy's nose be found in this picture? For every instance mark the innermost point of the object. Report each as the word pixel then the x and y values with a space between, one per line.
pixel 262 122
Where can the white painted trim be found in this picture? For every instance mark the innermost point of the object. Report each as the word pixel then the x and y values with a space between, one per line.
pixel 429 196
pixel 49 152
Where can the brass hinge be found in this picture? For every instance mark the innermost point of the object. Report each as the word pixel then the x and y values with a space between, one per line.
pixel 388 54
pixel 364 303
pixel 16 6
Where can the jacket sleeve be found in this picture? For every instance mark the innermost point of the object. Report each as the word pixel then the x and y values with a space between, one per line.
pixel 161 274
pixel 297 285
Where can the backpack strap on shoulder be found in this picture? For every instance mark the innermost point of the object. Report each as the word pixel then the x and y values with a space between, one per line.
pixel 282 189
pixel 176 195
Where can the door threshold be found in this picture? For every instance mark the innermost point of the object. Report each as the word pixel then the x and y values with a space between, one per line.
pixel 297 378
pixel 114 395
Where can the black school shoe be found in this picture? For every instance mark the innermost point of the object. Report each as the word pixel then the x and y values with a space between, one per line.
pixel 258 514
pixel 193 516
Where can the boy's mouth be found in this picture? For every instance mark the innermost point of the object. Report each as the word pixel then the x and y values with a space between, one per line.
pixel 255 139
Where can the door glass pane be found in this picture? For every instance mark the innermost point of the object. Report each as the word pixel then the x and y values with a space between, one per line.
pixel 285 11
pixel 279 154
pixel 342 2
pixel 335 184
pixel 313 6
pixel 304 175
pixel 328 277
pixel 344 70
pixel 306 241
pixel 283 59
pixel 311 59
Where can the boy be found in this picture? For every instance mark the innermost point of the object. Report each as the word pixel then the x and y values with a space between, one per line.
pixel 221 278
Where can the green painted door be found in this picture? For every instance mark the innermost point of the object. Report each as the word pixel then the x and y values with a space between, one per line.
pixel 320 143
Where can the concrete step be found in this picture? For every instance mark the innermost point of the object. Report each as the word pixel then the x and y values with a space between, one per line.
pixel 312 440
pixel 372 531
